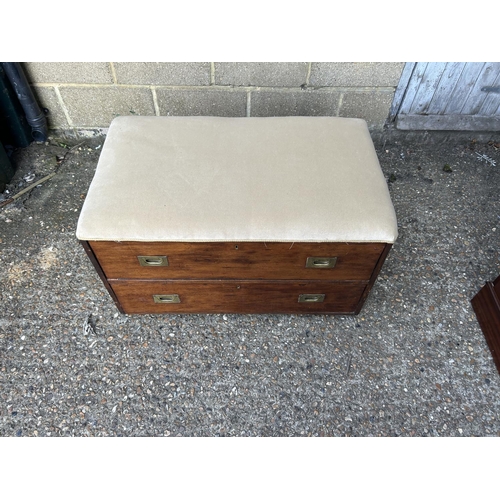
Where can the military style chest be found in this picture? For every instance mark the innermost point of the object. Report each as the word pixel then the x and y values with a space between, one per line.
pixel 238 215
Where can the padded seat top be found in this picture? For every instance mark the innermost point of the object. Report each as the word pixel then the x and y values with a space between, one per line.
pixel 283 179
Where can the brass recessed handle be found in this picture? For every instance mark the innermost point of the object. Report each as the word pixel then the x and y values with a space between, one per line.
pixel 321 262
pixel 153 260
pixel 172 298
pixel 312 297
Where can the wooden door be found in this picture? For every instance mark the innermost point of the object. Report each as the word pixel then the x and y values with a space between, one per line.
pixel 448 96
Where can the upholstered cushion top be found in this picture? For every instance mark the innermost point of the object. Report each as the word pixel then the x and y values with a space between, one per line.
pixel 288 179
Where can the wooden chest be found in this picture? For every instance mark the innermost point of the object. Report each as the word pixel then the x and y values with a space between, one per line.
pixel 238 215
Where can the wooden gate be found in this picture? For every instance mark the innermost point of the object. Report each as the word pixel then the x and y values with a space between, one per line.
pixel 448 96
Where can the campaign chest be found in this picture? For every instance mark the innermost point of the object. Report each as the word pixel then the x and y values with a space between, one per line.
pixel 238 215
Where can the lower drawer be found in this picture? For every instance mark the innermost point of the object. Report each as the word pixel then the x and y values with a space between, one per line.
pixel 231 296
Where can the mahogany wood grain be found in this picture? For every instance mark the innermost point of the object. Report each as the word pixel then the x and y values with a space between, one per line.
pixel 100 272
pixel 355 261
pixel 486 305
pixel 374 276
pixel 233 296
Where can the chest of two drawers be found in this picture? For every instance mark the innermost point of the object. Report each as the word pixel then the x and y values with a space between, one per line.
pixel 247 277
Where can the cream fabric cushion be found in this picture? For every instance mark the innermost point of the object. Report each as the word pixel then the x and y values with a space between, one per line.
pixel 288 179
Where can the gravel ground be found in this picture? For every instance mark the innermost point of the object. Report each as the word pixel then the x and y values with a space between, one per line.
pixel 414 362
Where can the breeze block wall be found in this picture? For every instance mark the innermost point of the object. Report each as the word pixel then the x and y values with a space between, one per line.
pixel 87 96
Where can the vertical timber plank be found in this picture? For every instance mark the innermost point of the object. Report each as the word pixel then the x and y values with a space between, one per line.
pixel 427 88
pixel 491 103
pixel 412 89
pixel 464 86
pixel 476 97
pixel 401 89
pixel 447 84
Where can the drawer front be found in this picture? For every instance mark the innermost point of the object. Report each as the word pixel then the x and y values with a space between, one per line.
pixel 197 296
pixel 271 261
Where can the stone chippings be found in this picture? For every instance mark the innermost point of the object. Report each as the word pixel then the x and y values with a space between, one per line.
pixel 413 363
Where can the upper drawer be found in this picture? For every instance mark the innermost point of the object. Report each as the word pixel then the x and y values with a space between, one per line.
pixel 329 261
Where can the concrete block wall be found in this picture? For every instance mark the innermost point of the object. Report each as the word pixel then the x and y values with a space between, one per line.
pixel 87 96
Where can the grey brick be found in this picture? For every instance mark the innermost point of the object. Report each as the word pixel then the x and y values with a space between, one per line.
pixel 68 72
pixel 202 102
pixel 356 74
pixel 294 103
pixel 261 74
pixel 97 106
pixel 163 73
pixel 47 98
pixel 373 107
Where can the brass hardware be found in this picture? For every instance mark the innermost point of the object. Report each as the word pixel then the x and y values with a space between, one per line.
pixel 321 262
pixel 312 297
pixel 167 299
pixel 153 260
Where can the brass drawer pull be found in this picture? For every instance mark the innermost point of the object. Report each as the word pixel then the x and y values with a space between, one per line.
pixel 321 262
pixel 153 260
pixel 167 299
pixel 312 297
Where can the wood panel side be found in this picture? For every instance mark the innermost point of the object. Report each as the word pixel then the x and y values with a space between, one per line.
pixel 100 272
pixel 374 276
pixel 486 305
pixel 247 260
